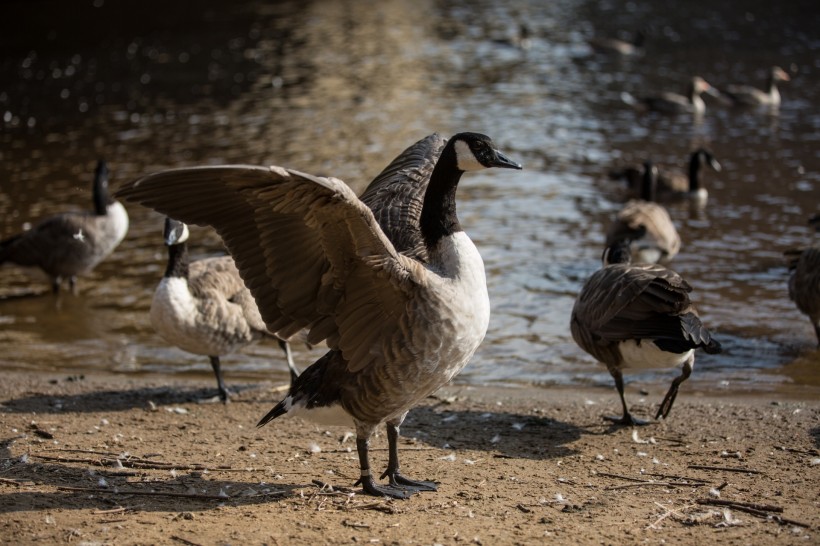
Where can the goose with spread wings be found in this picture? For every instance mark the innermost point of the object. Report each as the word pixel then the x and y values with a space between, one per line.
pixel 398 291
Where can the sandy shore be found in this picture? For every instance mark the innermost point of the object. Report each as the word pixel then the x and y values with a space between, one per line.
pixel 124 460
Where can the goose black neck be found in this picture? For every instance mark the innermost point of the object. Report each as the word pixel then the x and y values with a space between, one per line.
pixel 101 197
pixel 438 213
pixel 648 184
pixel 177 261
pixel 694 170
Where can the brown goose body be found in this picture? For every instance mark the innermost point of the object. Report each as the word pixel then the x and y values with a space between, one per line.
pixel 203 307
pixel 315 257
pixel 747 95
pixel 647 225
pixel 804 280
pixel 71 244
pixel 675 103
pixel 639 316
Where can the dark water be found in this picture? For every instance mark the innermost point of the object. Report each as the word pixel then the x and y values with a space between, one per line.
pixel 341 87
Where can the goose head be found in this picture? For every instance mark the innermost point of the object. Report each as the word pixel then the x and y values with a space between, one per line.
pixel 175 232
pixel 777 74
pixel 705 157
pixel 474 151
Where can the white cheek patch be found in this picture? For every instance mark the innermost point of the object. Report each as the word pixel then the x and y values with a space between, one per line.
pixel 185 233
pixel 465 159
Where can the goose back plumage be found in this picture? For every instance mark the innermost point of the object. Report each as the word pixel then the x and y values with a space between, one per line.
pixel 639 315
pixel 804 279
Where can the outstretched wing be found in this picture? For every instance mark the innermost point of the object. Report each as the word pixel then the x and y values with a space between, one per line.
pixel 396 195
pixel 311 253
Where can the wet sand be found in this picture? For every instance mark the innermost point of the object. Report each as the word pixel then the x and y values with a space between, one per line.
pixel 116 459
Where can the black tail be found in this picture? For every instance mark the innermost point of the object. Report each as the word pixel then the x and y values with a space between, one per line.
pixel 5 247
pixel 315 387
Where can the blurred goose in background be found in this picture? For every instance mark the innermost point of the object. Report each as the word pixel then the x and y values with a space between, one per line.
pixel 314 256
pixel 72 243
pixel 674 103
pixel 804 281
pixel 673 184
pixel 619 47
pixel 746 95
pixel 638 316
pixel 203 307
pixel 646 224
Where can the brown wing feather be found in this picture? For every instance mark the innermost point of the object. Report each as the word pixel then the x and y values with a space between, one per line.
pixel 396 195
pixel 306 247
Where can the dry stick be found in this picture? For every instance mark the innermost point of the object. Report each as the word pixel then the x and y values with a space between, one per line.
pixel 631 479
pixel 166 493
pixel 184 540
pixel 674 477
pixel 724 468
pixel 735 504
pixel 644 484
pixel 759 513
pixel 12 482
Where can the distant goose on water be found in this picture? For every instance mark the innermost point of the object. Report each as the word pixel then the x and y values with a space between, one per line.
pixel 617 46
pixel 746 95
pixel 204 308
pixel 646 224
pixel 639 316
pixel 804 280
pixel 674 103
pixel 401 318
pixel 673 184
pixel 72 243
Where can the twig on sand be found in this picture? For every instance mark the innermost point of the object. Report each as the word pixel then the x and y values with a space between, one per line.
pixel 184 540
pixel 199 496
pixel 760 510
pixel 669 512
pixel 674 477
pixel 649 484
pixel 724 468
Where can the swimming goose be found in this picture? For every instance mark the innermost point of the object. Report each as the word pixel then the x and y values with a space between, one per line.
pixel 646 224
pixel 204 308
pixel 71 243
pixel 673 184
pixel 314 256
pixel 616 46
pixel 804 281
pixel 638 316
pixel 674 103
pixel 746 95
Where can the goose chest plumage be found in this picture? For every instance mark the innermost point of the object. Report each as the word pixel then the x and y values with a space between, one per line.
pixel 397 291
pixel 72 243
pixel 204 308
pixel 639 316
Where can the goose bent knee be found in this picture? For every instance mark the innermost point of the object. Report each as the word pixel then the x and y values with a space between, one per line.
pixel 315 256
pixel 639 316
pixel 204 308
pixel 72 243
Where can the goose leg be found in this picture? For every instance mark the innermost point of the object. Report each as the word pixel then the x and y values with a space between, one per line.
pixel 294 372
pixel 392 472
pixel 627 418
pixel 366 479
pixel 669 399
pixel 223 390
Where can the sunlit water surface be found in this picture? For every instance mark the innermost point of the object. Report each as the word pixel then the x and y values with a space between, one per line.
pixel 340 88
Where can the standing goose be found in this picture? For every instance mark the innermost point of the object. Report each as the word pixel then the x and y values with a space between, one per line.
pixel 638 316
pixel 646 224
pixel 71 243
pixel 746 95
pixel 674 103
pixel 204 308
pixel 673 184
pixel 314 256
pixel 804 282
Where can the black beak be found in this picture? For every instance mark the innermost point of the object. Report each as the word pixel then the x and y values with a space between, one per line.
pixel 504 162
